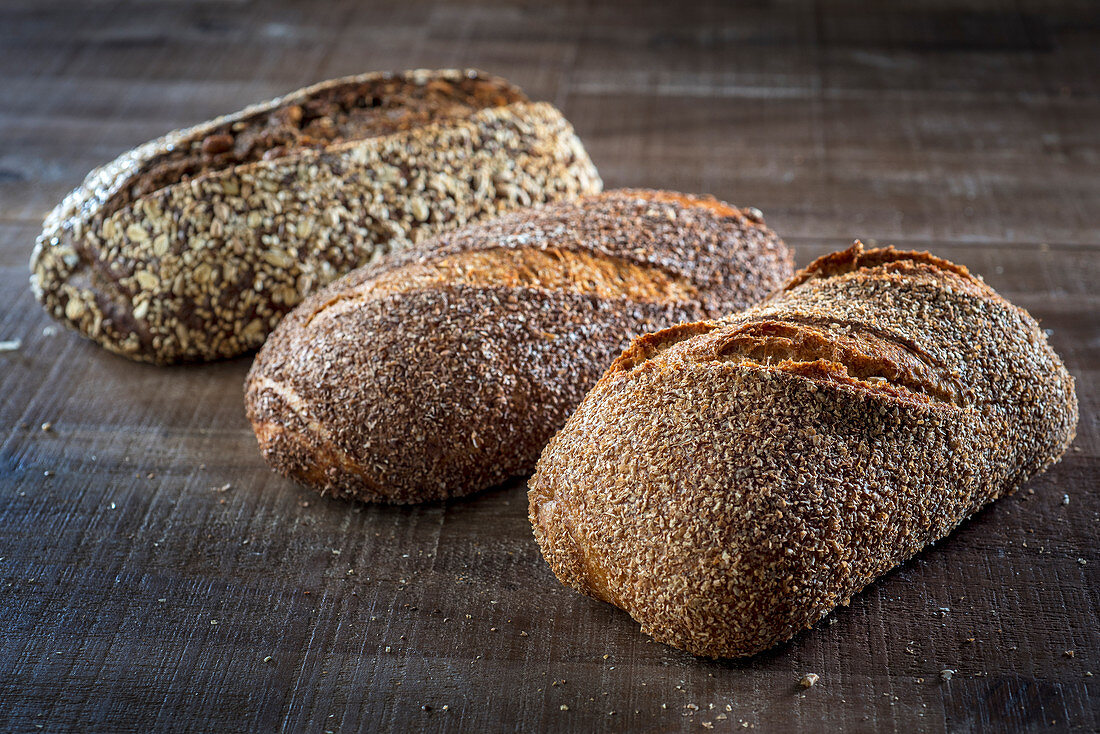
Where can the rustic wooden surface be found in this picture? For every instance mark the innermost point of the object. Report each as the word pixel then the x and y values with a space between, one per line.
pixel 135 597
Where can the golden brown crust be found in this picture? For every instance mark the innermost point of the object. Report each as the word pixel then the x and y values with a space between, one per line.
pixel 164 260
pixel 551 268
pixel 729 483
pixel 443 372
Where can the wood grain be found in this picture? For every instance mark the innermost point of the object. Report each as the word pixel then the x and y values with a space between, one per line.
pixel 968 128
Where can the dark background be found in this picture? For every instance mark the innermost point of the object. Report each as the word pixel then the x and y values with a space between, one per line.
pixel 971 129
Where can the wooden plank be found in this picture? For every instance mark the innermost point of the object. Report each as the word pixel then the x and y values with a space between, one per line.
pixel 130 517
pixel 971 129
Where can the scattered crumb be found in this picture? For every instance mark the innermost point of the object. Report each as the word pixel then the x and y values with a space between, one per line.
pixel 1068 653
pixel 1082 561
pixel 808 680
pixel 47 427
pixel 224 488
pixel 303 504
pixel 213 621
pixel 1065 499
pixel 563 707
pixel 47 473
pixel 49 330
pixel 268 658
pixel 10 345
pixel 946 673
pixel 522 634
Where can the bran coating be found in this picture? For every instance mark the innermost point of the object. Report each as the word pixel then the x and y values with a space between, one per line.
pixel 416 380
pixel 728 483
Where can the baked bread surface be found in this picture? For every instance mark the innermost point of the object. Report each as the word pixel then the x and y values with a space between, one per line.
pixel 444 371
pixel 728 483
pixel 193 246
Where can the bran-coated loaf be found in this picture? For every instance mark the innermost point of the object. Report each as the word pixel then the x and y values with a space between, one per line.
pixel 445 371
pixel 728 483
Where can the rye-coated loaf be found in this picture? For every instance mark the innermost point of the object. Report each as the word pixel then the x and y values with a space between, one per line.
pixel 445 371
pixel 728 483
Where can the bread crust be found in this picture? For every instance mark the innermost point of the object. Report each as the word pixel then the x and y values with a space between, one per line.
pixel 728 483
pixel 204 268
pixel 393 386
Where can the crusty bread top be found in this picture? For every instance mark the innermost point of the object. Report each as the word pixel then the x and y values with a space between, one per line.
pixel 729 482
pixel 146 168
pixel 555 269
pixel 445 370
pixel 242 228
pixel 857 257
pixel 810 329
pixel 685 241
pixel 325 116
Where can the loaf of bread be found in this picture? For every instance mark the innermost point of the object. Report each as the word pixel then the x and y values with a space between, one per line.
pixel 728 483
pixel 193 246
pixel 444 372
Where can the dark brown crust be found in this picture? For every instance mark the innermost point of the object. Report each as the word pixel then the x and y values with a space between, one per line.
pixel 437 390
pixel 356 109
pixel 729 483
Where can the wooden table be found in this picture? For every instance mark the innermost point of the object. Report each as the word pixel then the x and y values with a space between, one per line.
pixel 155 575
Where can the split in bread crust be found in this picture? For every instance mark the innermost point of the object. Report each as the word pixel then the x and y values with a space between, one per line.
pixel 193 246
pixel 346 110
pixel 729 482
pixel 445 371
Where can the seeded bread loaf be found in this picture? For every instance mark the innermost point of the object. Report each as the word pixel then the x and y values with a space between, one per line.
pixel 442 373
pixel 728 483
pixel 193 246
